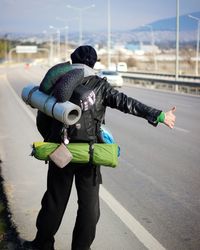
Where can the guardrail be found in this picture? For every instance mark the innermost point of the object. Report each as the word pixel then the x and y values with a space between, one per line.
pixel 184 84
pixel 193 77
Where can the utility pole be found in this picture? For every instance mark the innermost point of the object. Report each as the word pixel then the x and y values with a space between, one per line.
pixel 177 45
pixel 80 10
pixel 197 46
pixel 109 35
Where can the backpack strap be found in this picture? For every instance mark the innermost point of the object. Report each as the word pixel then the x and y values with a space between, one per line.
pixel 91 151
pixel 30 95
pixel 64 135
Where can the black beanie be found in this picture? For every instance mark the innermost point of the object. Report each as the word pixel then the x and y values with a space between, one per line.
pixel 85 54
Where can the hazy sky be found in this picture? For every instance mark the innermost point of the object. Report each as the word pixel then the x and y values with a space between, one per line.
pixel 35 16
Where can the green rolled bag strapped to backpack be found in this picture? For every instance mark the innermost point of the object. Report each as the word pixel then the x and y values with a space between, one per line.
pixel 97 153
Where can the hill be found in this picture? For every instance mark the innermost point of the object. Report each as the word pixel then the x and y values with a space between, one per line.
pixel 186 23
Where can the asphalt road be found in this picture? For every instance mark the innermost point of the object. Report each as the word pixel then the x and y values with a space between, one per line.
pixel 150 201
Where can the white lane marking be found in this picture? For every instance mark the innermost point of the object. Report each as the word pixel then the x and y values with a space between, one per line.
pixel 182 129
pixel 134 226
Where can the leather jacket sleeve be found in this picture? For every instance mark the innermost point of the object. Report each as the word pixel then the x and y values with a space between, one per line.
pixel 118 100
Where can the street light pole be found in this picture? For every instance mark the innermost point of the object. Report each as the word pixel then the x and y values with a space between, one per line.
pixel 58 43
pixel 177 42
pixel 51 51
pixel 66 41
pixel 80 27
pixel 80 10
pixel 153 46
pixel 6 46
pixel 109 35
pixel 197 47
pixel 45 40
pixel 66 34
pixel 58 40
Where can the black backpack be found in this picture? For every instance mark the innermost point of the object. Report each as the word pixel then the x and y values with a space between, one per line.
pixel 85 130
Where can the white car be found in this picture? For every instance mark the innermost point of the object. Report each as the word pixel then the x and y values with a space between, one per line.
pixel 113 77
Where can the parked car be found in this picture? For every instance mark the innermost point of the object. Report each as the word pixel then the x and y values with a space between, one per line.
pixel 113 77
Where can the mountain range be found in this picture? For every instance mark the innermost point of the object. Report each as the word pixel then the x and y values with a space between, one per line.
pixel 164 30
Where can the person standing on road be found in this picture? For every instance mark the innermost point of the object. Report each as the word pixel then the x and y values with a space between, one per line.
pixel 87 177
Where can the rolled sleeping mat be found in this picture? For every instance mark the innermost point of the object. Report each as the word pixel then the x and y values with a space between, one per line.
pixel 66 112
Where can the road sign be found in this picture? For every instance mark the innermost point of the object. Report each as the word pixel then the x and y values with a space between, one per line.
pixel 26 49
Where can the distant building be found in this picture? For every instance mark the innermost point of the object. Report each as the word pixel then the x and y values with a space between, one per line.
pixel 141 49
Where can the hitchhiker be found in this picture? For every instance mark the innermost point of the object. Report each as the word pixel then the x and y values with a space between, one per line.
pixel 87 176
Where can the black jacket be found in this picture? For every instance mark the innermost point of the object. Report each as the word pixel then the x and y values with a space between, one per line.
pixel 106 96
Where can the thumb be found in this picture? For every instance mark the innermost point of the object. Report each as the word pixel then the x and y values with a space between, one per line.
pixel 173 109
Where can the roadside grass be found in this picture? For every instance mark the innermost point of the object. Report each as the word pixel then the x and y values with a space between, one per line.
pixel 8 234
pixel 3 226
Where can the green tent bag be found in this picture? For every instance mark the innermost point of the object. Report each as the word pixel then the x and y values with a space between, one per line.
pixel 103 154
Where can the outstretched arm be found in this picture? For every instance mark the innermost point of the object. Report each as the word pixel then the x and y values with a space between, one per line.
pixel 118 100
pixel 115 99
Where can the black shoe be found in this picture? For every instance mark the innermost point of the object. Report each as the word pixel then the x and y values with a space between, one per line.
pixel 33 245
pixel 30 245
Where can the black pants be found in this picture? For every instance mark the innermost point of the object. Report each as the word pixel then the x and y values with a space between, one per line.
pixel 55 199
